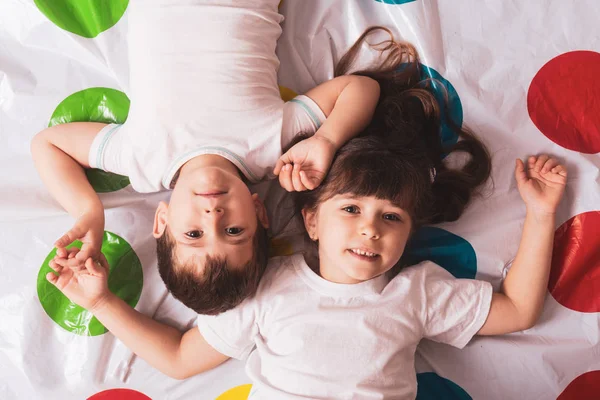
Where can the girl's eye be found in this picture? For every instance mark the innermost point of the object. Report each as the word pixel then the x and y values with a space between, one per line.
pixel 194 234
pixel 392 217
pixel 234 231
pixel 351 209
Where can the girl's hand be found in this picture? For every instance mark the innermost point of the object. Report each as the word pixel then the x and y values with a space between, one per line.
pixel 85 284
pixel 541 184
pixel 305 165
pixel 89 228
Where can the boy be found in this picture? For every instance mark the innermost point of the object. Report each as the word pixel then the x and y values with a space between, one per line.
pixel 206 116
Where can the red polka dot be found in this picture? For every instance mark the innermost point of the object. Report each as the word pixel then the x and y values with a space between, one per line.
pixel 564 101
pixel 575 275
pixel 119 394
pixel 584 387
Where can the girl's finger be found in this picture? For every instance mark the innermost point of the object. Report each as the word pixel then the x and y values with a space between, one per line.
pixel 520 174
pixel 61 252
pixel 94 267
pixel 541 160
pixel 51 278
pixel 560 170
pixel 531 162
pixel 551 163
pixel 52 264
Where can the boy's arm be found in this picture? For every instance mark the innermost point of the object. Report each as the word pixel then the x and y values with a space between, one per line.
pixel 165 348
pixel 60 154
pixel 519 304
pixel 348 102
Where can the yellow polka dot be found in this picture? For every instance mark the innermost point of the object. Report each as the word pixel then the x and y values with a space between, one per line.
pixel 280 3
pixel 237 393
pixel 286 93
pixel 280 247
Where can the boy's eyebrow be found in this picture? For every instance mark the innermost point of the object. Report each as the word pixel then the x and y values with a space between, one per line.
pixel 198 243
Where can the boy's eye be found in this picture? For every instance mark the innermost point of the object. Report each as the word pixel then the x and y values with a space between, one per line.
pixel 234 231
pixel 194 234
pixel 351 209
pixel 392 217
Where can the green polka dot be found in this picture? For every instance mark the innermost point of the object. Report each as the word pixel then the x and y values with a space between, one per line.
pixel 87 18
pixel 95 105
pixel 125 279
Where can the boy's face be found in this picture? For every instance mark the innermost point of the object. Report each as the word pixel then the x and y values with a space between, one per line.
pixel 359 237
pixel 211 212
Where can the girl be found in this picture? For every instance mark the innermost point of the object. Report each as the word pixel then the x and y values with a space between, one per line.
pixel 346 324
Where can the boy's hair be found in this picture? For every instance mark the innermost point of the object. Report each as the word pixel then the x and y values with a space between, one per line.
pixel 219 287
pixel 400 156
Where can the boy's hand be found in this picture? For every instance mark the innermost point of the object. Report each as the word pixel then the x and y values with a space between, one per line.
pixel 305 165
pixel 541 184
pixel 85 284
pixel 89 228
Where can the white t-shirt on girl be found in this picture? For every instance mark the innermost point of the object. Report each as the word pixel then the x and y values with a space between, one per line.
pixel 203 81
pixel 307 338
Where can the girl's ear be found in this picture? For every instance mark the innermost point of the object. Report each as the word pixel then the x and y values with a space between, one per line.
pixel 160 220
pixel 310 223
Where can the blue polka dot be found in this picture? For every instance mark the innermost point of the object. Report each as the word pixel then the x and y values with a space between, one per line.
pixel 431 386
pixel 395 1
pixel 446 249
pixel 445 93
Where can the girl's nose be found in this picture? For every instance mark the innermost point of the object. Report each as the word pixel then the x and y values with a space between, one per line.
pixel 370 231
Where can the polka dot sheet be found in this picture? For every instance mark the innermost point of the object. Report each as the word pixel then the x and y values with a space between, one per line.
pixel 524 75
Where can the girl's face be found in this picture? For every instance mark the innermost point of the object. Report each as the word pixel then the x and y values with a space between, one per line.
pixel 359 237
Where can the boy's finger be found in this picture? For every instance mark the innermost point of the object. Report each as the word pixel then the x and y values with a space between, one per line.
pixel 61 252
pixel 72 252
pixel 278 165
pixel 285 178
pixel 298 186
pixel 541 160
pixel 309 183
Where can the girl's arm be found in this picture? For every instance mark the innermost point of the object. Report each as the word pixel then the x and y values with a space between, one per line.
pixel 60 154
pixel 519 304
pixel 348 102
pixel 165 348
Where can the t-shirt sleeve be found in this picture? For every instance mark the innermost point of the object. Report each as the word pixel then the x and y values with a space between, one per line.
pixel 231 333
pixel 110 150
pixel 300 115
pixel 455 309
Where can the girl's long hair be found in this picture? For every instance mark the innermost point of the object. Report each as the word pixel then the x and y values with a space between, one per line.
pixel 400 156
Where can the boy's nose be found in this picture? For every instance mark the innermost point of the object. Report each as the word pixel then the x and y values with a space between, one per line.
pixel 214 210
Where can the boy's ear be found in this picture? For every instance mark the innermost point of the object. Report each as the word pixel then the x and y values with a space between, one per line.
pixel 261 211
pixel 310 223
pixel 160 220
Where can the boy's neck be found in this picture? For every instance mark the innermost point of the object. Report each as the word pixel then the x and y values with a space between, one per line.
pixel 208 160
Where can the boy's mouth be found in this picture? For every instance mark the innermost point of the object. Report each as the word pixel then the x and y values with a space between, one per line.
pixel 211 194
pixel 364 254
